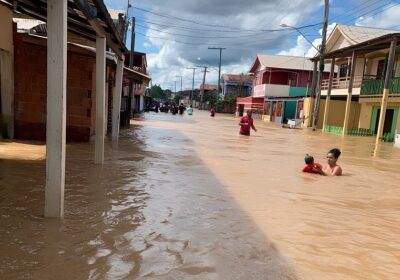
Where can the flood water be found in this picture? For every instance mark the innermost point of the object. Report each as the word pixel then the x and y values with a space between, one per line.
pixel 188 198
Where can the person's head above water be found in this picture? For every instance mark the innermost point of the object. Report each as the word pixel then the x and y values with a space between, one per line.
pixel 249 113
pixel 309 159
pixel 333 155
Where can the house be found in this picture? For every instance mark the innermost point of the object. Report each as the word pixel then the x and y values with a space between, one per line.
pixel 236 85
pixel 280 84
pixel 62 78
pixel 362 102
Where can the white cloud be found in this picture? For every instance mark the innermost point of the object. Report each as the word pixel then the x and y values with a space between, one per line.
pixel 387 19
pixel 304 48
pixel 172 58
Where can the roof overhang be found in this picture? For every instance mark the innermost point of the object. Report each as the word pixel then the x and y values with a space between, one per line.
pixel 137 76
pixel 363 48
pixel 86 18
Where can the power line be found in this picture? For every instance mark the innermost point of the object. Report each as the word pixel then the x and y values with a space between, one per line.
pixel 211 25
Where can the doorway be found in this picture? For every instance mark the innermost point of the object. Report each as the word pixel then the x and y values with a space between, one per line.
pixel 241 110
pixel 390 119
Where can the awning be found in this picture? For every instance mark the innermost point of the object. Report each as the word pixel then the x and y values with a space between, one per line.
pixel 86 18
pixel 136 75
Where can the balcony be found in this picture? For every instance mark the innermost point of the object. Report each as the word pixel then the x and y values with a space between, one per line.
pixel 342 83
pixel 374 88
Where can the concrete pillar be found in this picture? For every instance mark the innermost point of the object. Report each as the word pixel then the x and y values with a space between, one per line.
pixel 117 100
pixel 349 95
pixel 386 90
pixel 328 95
pixel 7 94
pixel 100 99
pixel 56 107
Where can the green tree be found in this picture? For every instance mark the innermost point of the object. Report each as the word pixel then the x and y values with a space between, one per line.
pixel 157 92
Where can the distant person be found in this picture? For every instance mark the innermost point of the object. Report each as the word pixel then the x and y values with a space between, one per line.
pixel 181 109
pixel 311 166
pixel 190 110
pixel 246 123
pixel 174 109
pixel 212 112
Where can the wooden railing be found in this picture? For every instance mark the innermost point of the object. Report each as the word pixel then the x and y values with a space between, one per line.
pixel 341 83
pixel 375 87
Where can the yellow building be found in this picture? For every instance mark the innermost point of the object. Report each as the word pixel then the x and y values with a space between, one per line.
pixel 356 94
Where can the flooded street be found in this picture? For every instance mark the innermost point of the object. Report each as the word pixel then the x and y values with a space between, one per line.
pixel 188 198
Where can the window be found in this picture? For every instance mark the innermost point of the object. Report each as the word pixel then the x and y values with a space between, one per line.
pixel 343 70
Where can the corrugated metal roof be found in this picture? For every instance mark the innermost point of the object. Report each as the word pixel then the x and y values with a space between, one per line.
pixel 236 78
pixel 285 62
pixel 114 13
pixel 359 34
pixel 26 24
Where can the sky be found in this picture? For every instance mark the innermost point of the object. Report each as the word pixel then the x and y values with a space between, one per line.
pixel 176 34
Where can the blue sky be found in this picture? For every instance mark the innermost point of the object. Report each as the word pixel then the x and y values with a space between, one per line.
pixel 176 34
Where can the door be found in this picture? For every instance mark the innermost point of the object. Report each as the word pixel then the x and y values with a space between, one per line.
pixel 381 69
pixel 241 110
pixel 387 127
pixel 300 105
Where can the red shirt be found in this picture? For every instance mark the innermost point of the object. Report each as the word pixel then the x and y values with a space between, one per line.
pixel 245 129
pixel 309 167
pixel 212 113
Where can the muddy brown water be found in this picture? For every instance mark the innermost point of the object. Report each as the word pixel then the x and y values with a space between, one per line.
pixel 188 198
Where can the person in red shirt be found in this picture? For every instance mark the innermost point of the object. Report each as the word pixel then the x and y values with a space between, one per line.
pixel 212 112
pixel 246 123
pixel 311 166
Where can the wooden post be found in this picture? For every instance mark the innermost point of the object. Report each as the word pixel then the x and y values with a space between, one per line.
pixel 56 107
pixel 386 90
pixel 117 100
pixel 100 99
pixel 349 94
pixel 328 94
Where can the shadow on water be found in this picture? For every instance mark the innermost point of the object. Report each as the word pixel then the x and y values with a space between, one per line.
pixel 152 211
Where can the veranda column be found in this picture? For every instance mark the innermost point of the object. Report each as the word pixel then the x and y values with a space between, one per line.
pixel 386 89
pixel 117 100
pixel 100 99
pixel 56 107
pixel 349 94
pixel 328 94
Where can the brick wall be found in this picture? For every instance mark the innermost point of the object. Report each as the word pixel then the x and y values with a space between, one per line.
pixel 31 86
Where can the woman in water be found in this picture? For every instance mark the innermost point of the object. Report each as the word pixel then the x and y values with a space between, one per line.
pixel 332 168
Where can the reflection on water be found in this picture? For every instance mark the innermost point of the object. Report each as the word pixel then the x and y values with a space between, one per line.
pixel 188 198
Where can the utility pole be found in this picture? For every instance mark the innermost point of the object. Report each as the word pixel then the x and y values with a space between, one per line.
pixel 126 21
pixel 132 56
pixel 321 65
pixel 175 87
pixel 181 81
pixel 219 70
pixel 204 81
pixel 194 71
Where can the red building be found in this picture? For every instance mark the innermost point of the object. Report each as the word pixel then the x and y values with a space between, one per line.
pixel 279 86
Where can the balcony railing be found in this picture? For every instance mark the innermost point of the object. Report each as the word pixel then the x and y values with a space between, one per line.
pixel 341 83
pixel 375 87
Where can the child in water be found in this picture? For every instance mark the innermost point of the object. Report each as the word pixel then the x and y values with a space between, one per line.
pixel 311 166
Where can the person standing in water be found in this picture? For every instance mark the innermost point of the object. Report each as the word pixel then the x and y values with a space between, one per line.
pixel 246 123
pixel 181 109
pixel 332 169
pixel 189 110
pixel 212 112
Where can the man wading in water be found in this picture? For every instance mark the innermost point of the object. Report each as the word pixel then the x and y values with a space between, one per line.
pixel 246 123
